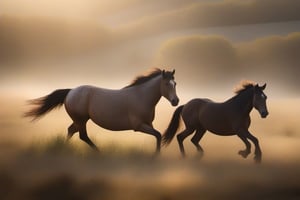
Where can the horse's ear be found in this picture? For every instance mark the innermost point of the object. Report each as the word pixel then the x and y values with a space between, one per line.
pixel 173 72
pixel 263 87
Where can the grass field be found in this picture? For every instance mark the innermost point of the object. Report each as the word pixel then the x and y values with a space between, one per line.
pixel 58 170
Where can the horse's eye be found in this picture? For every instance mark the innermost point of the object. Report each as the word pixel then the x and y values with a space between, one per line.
pixel 172 83
pixel 263 96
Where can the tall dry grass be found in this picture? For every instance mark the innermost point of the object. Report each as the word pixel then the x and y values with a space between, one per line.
pixel 56 169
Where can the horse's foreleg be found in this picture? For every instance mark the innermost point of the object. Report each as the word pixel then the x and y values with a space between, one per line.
pixel 181 136
pixel 247 151
pixel 145 128
pixel 257 153
pixel 196 139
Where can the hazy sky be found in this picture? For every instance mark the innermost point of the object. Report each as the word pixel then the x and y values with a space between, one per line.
pixel 213 45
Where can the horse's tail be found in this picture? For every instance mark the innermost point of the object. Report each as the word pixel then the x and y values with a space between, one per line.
pixel 173 126
pixel 47 103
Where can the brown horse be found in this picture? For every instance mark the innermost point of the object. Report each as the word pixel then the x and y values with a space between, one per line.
pixel 130 108
pixel 228 118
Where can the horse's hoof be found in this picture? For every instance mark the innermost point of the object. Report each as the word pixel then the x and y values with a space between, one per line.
pixel 155 155
pixel 244 154
pixel 257 159
pixel 199 155
pixel 183 156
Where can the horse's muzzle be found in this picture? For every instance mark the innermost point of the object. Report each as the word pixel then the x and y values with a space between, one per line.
pixel 175 102
pixel 264 114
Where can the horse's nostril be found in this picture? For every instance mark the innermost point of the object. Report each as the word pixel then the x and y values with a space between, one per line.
pixel 175 102
pixel 264 114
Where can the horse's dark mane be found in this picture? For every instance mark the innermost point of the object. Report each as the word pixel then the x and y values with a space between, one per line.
pixel 243 86
pixel 144 78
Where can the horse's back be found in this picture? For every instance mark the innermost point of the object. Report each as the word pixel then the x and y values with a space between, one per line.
pixel 217 117
pixel 208 115
pixel 107 108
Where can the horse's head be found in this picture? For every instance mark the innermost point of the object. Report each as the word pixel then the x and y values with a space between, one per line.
pixel 259 100
pixel 168 87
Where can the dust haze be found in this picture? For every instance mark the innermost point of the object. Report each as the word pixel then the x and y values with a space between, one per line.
pixel 212 45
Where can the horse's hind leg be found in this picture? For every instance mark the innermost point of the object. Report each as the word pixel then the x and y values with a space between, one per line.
pixel 71 131
pixel 196 139
pixel 83 136
pixel 181 136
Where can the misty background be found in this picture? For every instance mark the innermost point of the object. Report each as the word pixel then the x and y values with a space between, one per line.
pixel 213 45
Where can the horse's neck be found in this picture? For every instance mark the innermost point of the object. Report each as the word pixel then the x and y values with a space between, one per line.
pixel 243 101
pixel 149 92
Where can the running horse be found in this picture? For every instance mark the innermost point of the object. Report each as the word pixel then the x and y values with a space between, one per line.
pixel 231 117
pixel 130 108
